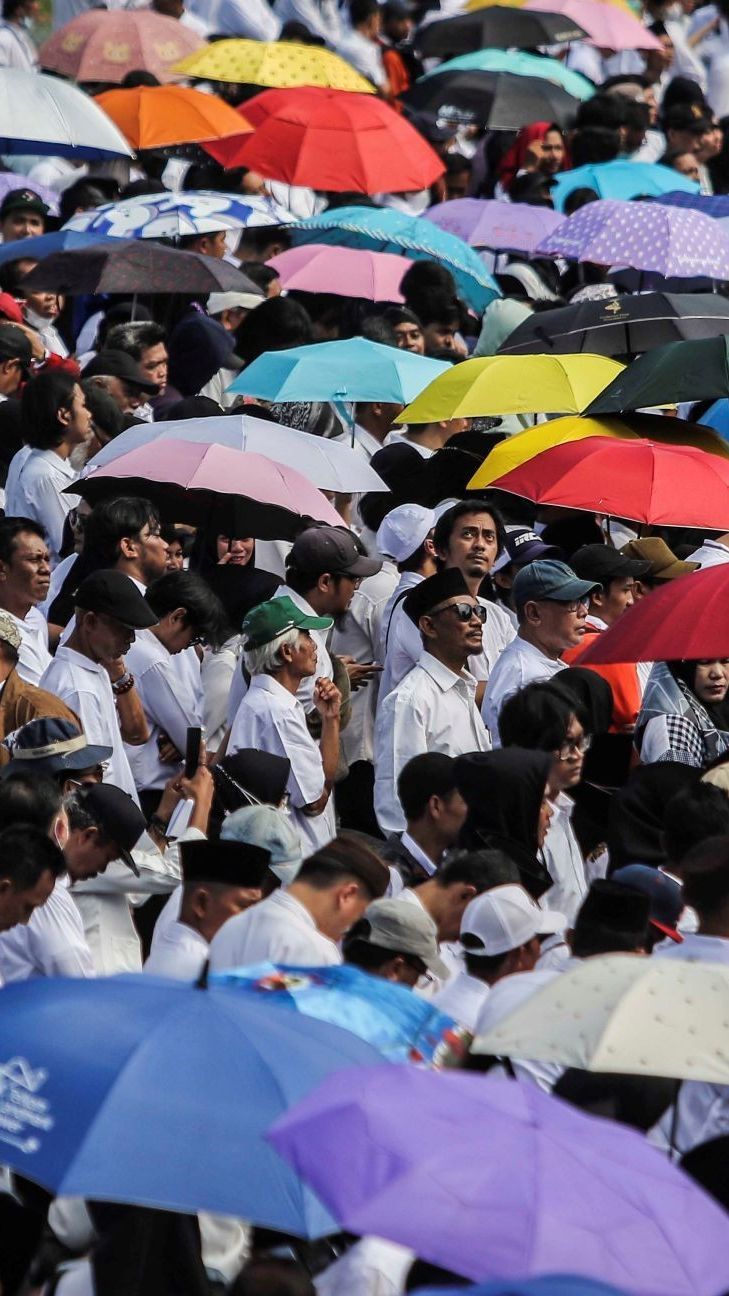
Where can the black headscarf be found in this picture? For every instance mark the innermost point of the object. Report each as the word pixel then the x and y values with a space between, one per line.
pixel 504 791
pixel 635 825
pixel 240 589
pixel 262 774
pixel 590 693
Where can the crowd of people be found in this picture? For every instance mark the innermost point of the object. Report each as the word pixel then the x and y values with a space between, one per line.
pixel 374 743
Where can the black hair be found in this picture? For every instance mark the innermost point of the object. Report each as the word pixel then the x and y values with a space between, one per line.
pixel 427 775
pixel 438 306
pixel 377 329
pixel 637 115
pixel 481 965
pixel 107 525
pixel 601 110
pixel 134 338
pixel 590 938
pixel 299 32
pixel 536 717
pixel 577 198
pixel 26 853
pixel 186 589
pixel 331 865
pixel 81 196
pixel 470 868
pixel 705 874
pixel 361 10
pixel 41 403
pixel 692 816
pixel 29 798
pixel 261 274
pixel 400 315
pixel 447 521
pixel 10 529
pixel 595 144
pixel 269 1276
pixel 456 162
pixel 103 409
pixel 275 325
pixel 11 275
pixel 424 276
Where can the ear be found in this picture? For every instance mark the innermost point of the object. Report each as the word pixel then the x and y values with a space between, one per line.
pixel 348 891
pixel 128 547
pixel 5 886
pixel 427 627
pixel 64 416
pixel 531 613
pixel 429 547
pixel 324 582
pixel 179 615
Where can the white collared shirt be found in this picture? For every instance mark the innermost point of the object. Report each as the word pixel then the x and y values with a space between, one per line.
pixel 179 952
pixel 401 438
pixel 433 709
pixel 393 650
pixel 357 634
pixel 37 494
pixel 418 854
pixel 462 997
pixel 364 55
pixel 712 553
pixel 520 663
pixel 16 48
pixel 564 861
pixel 278 930
pixel 170 704
pixel 51 944
pixel 85 687
pixel 322 17
pixel 34 657
pixel 273 720
pixel 324 667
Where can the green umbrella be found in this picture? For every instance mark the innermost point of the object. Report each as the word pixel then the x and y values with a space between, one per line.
pixel 679 371
pixel 521 64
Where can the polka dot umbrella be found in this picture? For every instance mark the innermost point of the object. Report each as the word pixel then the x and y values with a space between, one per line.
pixel 278 64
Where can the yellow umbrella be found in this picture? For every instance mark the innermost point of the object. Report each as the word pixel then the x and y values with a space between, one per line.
pixel 511 384
pixel 519 4
pixel 519 449
pixel 278 64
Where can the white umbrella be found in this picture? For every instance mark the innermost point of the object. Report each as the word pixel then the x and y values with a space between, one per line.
pixel 41 114
pixel 330 465
pixel 621 1013
pixel 172 215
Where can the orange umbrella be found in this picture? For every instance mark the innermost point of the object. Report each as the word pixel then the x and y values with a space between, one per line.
pixel 154 117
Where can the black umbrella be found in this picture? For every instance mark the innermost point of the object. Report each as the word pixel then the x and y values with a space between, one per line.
pixel 680 371
pixel 497 27
pixel 497 100
pixel 135 266
pixel 623 326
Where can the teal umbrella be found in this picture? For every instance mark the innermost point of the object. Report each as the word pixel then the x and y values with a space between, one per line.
pixel 380 229
pixel 521 64
pixel 353 369
pixel 621 179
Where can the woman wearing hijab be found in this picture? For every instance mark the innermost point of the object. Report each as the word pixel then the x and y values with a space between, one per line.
pixel 506 792
pixel 606 764
pixel 679 719
pixel 538 147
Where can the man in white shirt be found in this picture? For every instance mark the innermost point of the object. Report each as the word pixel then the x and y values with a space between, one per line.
pixel 396 942
pixel 551 606
pixel 219 880
pixel 712 553
pixel 17 48
pixel 406 536
pixel 25 575
pixel 301 924
pixel 252 19
pixel 322 17
pixel 360 46
pixel 434 811
pixel 23 213
pixel 89 672
pixel 433 708
pixel 29 866
pixel 279 652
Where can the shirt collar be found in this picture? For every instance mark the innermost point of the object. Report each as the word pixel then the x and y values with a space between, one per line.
pixel 418 854
pixel 595 622
pixel 442 675
pixel 264 683
pixel 79 659
pixel 62 465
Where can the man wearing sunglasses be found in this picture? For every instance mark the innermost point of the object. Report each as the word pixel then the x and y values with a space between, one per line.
pixel 433 708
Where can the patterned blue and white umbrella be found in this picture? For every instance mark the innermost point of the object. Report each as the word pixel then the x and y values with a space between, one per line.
pixel 174 215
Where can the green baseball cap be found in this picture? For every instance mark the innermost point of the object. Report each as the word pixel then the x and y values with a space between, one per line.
pixel 269 620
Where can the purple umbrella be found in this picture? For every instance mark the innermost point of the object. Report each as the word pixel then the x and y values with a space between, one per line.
pixel 495 1179
pixel 644 235
pixel 12 180
pixel 502 227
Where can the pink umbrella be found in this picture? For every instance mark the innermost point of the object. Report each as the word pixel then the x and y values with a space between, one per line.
pixel 347 272
pixel 195 483
pixel 103 45
pixel 608 26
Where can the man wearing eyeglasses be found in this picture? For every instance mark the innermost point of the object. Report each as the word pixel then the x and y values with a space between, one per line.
pixel 551 606
pixel 433 708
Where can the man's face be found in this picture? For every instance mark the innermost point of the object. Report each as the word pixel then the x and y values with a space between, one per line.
pixel 150 551
pixel 453 635
pixel 224 902
pixel 398 29
pixel 46 304
pixel 557 625
pixel 20 224
pixel 127 398
pixel 212 244
pixel 568 760
pixel 456 897
pixel 457 184
pixel 439 336
pixel 153 364
pixel 339 593
pixel 688 141
pixel 16 907
pixel 88 852
pixel 687 164
pixel 78 427
pixel 710 144
pixel 304 655
pixel 451 814
pixel 473 545
pixel 11 376
pixel 28 574
pixel 616 597
pixel 410 338
pixel 108 639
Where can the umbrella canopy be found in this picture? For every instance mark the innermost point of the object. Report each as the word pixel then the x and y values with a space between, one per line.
pixel 491 1178
pixel 559 1285
pixel 520 449
pixel 399 1024
pixel 329 139
pixel 346 272
pixel 680 371
pixel 521 64
pixel 277 64
pixel 685 620
pixel 40 114
pixel 496 100
pixel 717 417
pixel 606 25
pixel 494 28
pixel 170 215
pixel 12 180
pixel 159 1119
pixel 353 369
pixel 133 266
pixel 645 236
pixel 383 230
pixel 103 45
pixel 499 226
pixel 330 465
pixel 618 1013
pixel 506 385
pixel 155 117
pixel 626 325
pixel 661 485
pixel 519 4
pixel 193 482
pixel 620 179
pixel 42 245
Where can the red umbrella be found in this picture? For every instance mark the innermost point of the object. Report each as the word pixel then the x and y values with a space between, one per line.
pixel 646 481
pixel 685 619
pixel 331 139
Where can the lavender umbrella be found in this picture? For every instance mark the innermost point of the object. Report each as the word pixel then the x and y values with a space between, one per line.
pixel 502 227
pixel 643 235
pixel 490 1178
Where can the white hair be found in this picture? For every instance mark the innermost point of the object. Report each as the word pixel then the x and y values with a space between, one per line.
pixel 266 658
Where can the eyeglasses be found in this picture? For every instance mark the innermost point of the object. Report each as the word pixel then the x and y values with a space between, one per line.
pixel 464 611
pixel 574 747
pixel 573 606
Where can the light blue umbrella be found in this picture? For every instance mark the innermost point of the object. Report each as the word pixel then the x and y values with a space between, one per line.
pixel 353 369
pixel 621 179
pixel 521 64
pixel 380 229
pixel 44 244
pixel 174 215
pixel 717 417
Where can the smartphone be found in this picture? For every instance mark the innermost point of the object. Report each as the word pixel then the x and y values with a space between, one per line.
pixel 192 750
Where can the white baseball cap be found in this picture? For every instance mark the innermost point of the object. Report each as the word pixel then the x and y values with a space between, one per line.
pixel 404 530
pixel 220 301
pixel 505 918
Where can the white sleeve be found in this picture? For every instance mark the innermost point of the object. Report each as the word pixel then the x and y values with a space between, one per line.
pixel 400 734
pixel 56 937
pixel 167 705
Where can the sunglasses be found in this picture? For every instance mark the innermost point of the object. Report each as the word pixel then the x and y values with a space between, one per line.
pixel 464 611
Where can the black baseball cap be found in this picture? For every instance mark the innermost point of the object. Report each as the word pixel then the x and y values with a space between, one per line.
pixel 331 549
pixel 118 364
pixel 664 893
pixel 691 117
pixel 114 594
pixel 230 863
pixel 522 546
pixel 602 563
pixel 117 815
pixel 23 200
pixel 15 344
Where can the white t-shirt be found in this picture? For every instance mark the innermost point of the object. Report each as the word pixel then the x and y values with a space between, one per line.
pixel 170 705
pixel 51 944
pixel 519 664
pixel 38 494
pixel 278 930
pixel 179 952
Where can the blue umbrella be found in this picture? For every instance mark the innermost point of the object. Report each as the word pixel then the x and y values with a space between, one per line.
pixel 554 1285
pixel 157 1093
pixel 43 245
pixel 622 179
pixel 380 229
pixel 522 64
pixel 401 1025
pixel 174 215
pixel 717 417
pixel 353 369
pixel 716 205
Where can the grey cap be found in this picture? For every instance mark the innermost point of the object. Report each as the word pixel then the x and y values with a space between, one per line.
pixel 551 580
pixel 405 929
